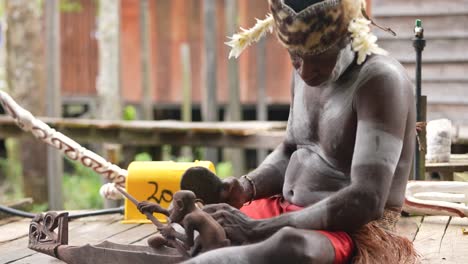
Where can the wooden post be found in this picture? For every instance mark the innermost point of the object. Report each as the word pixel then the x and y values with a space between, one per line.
pixel 422 141
pixel 262 107
pixel 54 102
pixel 234 110
pixel 186 83
pixel 186 90
pixel 145 59
pixel 234 104
pixel 108 81
pixel 209 104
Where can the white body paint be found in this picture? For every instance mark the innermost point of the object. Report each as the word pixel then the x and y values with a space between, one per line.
pixel 376 147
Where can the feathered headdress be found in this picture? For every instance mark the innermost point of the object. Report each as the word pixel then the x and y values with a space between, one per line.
pixel 314 29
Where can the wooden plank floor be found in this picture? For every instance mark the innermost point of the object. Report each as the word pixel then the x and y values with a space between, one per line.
pixel 438 239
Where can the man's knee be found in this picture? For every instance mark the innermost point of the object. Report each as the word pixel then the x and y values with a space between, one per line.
pixel 299 246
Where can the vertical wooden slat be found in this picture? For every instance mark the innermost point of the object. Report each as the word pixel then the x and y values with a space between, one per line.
pixel 54 105
pixel 234 108
pixel 262 105
pixel 222 54
pixel 178 35
pixel 195 39
pixel 173 22
pixel 79 50
pixel 209 93
pixel 145 60
pixel 130 51
pixel 163 28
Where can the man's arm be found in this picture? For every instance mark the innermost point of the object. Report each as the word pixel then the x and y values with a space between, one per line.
pixel 382 105
pixel 269 176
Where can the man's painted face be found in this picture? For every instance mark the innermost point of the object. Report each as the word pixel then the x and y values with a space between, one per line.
pixel 313 69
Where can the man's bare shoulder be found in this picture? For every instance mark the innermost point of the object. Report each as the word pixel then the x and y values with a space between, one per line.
pixel 387 69
pixel 384 83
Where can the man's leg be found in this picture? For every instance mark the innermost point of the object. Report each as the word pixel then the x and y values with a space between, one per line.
pixel 288 245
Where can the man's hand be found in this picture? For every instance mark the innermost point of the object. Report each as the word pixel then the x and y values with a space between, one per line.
pixel 239 228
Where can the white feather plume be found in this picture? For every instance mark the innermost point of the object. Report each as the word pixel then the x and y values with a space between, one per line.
pixel 239 41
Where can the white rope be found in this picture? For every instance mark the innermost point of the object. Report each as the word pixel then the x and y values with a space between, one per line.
pixel 68 147
pixel 437 198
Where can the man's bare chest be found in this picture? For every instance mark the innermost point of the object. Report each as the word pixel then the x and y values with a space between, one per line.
pixel 326 118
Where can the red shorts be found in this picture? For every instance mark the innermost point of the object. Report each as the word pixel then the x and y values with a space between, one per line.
pixel 276 205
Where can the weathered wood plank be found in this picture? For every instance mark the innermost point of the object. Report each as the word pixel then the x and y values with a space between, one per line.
pixel 437 92
pixel 236 128
pixel 7 220
pixel 452 112
pixel 14 230
pixel 436 49
pixel 429 237
pixel 133 235
pixel 84 231
pixel 440 71
pixel 409 226
pixel 444 167
pixel 434 25
pixel 455 243
pixel 18 249
pixel 412 7
pixel 92 233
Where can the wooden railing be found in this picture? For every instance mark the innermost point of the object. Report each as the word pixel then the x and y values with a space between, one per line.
pixel 248 134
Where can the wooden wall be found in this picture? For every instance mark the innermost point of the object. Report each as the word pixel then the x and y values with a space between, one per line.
pixel 445 58
pixel 173 22
pixel 79 50
pixel 179 21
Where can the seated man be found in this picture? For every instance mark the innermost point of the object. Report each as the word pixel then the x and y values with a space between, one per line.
pixel 333 190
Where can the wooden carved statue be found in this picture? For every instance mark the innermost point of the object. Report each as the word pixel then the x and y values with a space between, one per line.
pixel 185 211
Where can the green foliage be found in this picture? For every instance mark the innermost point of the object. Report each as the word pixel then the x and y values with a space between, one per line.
pixel 39 208
pixel 70 6
pixel 224 169
pixel 129 113
pixel 2 8
pixel 144 156
pixel 12 187
pixel 81 188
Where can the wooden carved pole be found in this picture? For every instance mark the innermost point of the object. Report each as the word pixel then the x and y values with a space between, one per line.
pixel 70 148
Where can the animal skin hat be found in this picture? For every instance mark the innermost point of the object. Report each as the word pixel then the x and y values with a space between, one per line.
pixel 314 29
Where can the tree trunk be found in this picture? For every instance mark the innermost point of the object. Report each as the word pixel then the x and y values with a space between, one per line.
pixel 26 80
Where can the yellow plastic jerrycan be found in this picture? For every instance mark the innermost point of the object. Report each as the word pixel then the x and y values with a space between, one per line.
pixel 155 181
